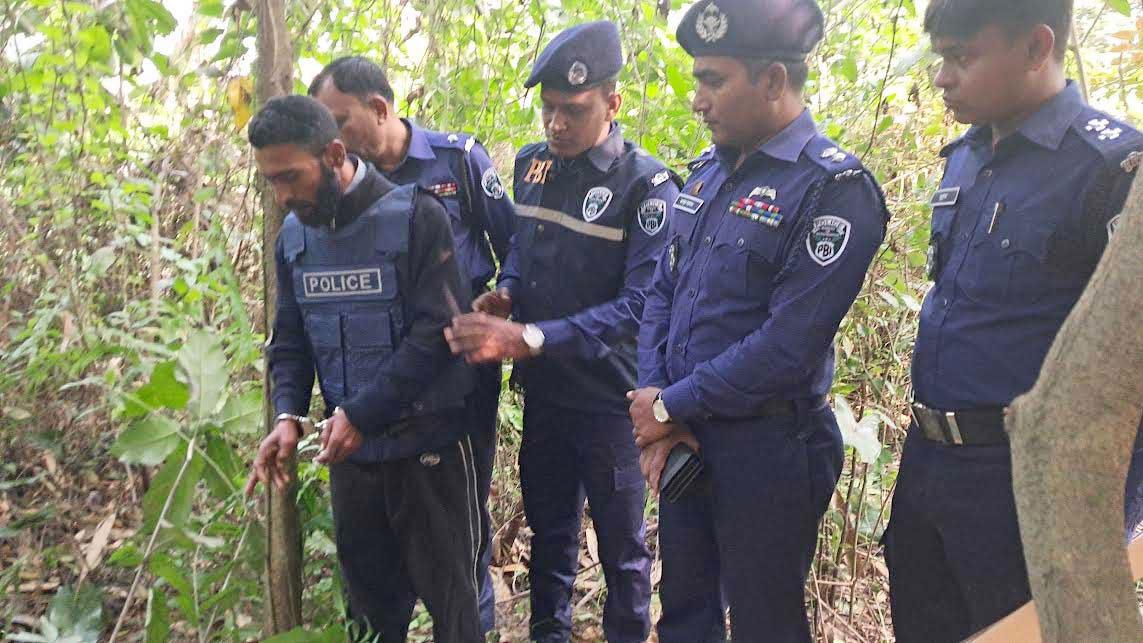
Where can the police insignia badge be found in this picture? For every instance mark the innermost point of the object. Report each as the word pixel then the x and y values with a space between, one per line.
pixel 764 193
pixel 430 459
pixel 1132 162
pixel 660 178
pixel 1112 225
pixel 757 210
pixel 595 203
pixel 711 24
pixel 577 74
pixel 444 189
pixel 652 215
pixel 827 239
pixel 490 182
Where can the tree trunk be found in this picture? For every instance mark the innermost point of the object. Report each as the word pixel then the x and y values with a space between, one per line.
pixel 1072 437
pixel 274 77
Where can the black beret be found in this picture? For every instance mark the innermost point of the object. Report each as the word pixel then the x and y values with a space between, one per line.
pixel 578 58
pixel 784 30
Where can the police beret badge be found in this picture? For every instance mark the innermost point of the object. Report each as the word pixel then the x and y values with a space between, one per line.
pixel 711 25
pixel 577 74
pixel 827 239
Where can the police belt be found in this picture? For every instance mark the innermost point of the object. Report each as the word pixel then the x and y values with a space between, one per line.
pixel 978 427
pixel 771 408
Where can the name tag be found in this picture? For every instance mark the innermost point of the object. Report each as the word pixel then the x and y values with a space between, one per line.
pixel 342 283
pixel 947 196
pixel 689 204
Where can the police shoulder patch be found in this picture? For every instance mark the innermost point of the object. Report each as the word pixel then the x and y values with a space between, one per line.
pixel 596 201
pixel 828 238
pixel 490 182
pixel 652 215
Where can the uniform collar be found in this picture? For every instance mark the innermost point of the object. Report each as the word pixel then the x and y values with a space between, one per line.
pixel 604 154
pixel 787 145
pixel 419 147
pixel 358 174
pixel 1046 127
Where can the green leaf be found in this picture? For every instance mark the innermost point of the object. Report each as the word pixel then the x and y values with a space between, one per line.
pixel 126 556
pixel 158 618
pixel 204 365
pixel 242 415
pixel 1122 6
pixel 182 496
pixel 162 390
pixel 166 568
pixel 302 635
pixel 221 484
pixel 148 441
pixel 77 615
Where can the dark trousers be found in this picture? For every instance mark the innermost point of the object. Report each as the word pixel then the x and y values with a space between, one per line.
pixel 745 536
pixel 566 456
pixel 407 529
pixel 483 404
pixel 1133 496
pixel 953 548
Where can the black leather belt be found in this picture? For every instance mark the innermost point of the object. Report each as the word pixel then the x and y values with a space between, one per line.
pixel 978 427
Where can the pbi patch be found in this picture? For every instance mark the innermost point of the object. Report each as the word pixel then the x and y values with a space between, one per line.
pixel 595 203
pixel 828 238
pixel 342 283
pixel 757 210
pixel 490 182
pixel 444 189
pixel 1112 225
pixel 652 215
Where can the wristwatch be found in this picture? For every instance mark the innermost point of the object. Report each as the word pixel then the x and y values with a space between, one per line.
pixel 660 409
pixel 534 338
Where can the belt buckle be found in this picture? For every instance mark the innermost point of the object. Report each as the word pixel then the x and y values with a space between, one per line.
pixel 954 429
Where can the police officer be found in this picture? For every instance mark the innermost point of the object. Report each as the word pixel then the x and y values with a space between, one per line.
pixel 363 271
pixel 592 208
pixel 457 168
pixel 768 247
pixel 1030 195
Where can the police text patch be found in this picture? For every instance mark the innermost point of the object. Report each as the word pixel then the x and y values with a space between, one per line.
pixel 342 283
pixel 827 240
pixel 688 203
pixel 947 196
pixel 652 215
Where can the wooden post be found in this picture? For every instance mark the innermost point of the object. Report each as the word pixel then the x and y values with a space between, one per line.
pixel 274 77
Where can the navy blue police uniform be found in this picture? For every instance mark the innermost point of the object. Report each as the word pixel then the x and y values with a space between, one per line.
pixel 363 303
pixel 763 262
pixel 587 235
pixel 1010 254
pixel 457 168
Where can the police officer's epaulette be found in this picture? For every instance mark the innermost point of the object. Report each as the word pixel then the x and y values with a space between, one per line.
pixel 707 156
pixel 837 163
pixel 451 141
pixel 1114 140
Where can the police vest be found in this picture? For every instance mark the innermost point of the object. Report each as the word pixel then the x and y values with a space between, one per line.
pixel 345 283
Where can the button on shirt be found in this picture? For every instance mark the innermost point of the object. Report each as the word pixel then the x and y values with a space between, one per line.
pixel 458 169
pixel 762 263
pixel 588 234
pixel 1016 233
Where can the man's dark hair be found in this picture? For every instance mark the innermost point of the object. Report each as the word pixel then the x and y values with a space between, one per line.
pixel 354 75
pixel 796 72
pixel 293 120
pixel 963 19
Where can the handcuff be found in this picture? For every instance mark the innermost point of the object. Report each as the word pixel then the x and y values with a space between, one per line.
pixel 303 422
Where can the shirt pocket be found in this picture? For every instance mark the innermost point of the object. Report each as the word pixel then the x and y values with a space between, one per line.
pixel 747 254
pixel 1010 266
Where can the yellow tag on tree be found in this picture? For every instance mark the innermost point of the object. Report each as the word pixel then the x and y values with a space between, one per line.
pixel 240 95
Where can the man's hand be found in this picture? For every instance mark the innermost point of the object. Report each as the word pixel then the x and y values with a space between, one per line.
pixel 481 337
pixel 339 439
pixel 653 458
pixel 270 465
pixel 647 428
pixel 497 304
